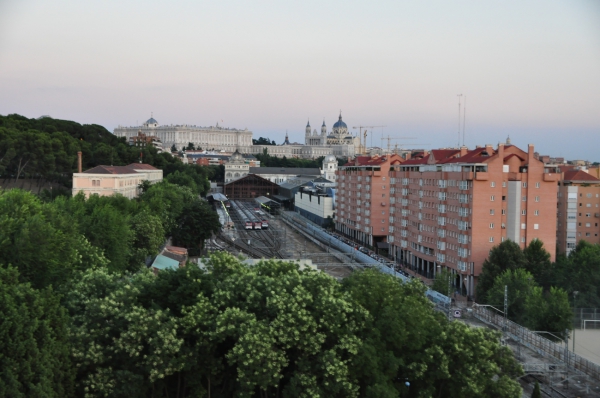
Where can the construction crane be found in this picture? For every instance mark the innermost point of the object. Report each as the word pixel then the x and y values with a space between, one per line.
pixel 396 146
pixel 396 138
pixel 361 134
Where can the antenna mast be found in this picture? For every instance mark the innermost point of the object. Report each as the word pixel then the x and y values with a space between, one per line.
pixel 464 119
pixel 459 95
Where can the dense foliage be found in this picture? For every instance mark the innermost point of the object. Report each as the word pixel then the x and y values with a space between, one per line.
pixel 263 141
pixel 267 160
pixel 35 357
pixel 273 330
pixel 47 148
pixel 540 293
pixel 269 330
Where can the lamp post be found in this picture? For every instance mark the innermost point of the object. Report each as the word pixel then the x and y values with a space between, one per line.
pixel 575 293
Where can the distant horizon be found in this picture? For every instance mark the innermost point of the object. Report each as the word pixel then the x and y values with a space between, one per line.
pixel 279 137
pixel 527 69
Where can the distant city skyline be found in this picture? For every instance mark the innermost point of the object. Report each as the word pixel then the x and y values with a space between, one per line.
pixel 530 70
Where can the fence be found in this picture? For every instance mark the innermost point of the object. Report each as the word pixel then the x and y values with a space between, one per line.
pixel 318 233
pixel 539 344
pixel 586 314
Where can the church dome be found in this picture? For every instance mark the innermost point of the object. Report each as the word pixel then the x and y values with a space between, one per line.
pixel 151 121
pixel 330 159
pixel 340 124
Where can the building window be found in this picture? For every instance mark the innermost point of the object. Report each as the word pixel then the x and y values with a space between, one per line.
pixel 537 184
pixel 523 212
pixel 491 225
pixel 503 212
pixel 523 226
pixel 523 239
pixel 589 195
pixel 587 234
pixel 537 198
pixel 492 184
pixel 491 212
pixel 503 184
pixel 536 226
pixel 587 224
pixel 491 238
pixel 524 185
pixel 536 212
pixel 492 198
pixel 524 198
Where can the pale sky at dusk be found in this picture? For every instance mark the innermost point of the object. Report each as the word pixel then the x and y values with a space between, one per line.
pixel 529 69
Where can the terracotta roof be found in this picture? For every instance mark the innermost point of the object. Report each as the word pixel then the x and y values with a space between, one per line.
pixel 513 155
pixel 176 249
pixel 111 170
pixel 130 169
pixel 142 166
pixel 473 156
pixel 373 161
pixel 578 175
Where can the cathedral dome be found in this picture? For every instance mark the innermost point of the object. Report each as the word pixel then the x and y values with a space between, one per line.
pixel 330 159
pixel 340 124
pixel 151 121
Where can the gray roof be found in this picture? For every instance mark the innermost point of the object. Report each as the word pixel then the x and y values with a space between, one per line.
pixel 285 170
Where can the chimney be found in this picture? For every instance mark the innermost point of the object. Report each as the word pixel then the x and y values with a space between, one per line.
pixel 530 153
pixel 489 149
pixel 79 167
pixel 463 151
pixel 408 155
pixel 501 152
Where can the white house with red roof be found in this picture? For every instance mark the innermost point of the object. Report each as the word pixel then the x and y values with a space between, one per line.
pixel 109 180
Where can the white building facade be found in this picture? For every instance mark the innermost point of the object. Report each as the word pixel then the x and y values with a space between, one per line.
pixel 338 142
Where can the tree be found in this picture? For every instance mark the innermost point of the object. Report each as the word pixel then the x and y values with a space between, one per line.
pixel 190 147
pixel 440 282
pixel 549 311
pixel 520 285
pixel 148 236
pixel 404 339
pixel 197 223
pixel 329 224
pixel 267 330
pixel 263 141
pixel 34 341
pixel 537 260
pixel 506 256
pixel 536 391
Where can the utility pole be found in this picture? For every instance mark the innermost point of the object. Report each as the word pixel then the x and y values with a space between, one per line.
pixel 449 297
pixel 505 306
pixel 575 293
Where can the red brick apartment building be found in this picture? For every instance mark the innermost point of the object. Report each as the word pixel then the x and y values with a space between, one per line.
pixel 578 210
pixel 364 195
pixel 449 207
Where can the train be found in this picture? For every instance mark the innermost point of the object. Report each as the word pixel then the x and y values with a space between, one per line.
pixel 257 224
pixel 249 224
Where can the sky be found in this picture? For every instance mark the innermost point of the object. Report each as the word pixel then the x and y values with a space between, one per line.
pixel 528 69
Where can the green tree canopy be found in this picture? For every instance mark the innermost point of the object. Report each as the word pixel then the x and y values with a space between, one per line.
pixel 35 356
pixel 506 256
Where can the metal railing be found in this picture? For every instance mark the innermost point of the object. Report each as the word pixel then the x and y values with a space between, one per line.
pixel 537 343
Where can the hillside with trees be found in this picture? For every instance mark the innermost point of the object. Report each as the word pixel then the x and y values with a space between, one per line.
pixel 46 148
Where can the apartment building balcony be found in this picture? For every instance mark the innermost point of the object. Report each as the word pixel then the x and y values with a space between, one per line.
pixel 551 177
pixel 482 176
pixel 512 176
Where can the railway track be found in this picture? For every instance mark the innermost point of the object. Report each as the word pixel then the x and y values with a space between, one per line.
pixel 258 243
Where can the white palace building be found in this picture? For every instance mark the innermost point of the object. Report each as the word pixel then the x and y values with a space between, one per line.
pixel 338 142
